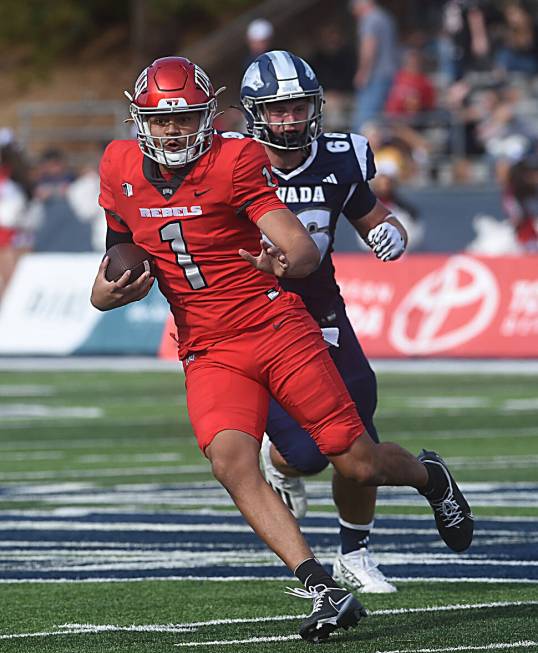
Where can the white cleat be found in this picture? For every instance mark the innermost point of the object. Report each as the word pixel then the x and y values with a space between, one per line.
pixel 290 489
pixel 359 571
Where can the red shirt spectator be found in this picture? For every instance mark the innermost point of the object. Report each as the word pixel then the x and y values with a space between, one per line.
pixel 411 92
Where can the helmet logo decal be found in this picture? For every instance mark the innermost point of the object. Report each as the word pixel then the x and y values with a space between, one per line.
pixel 308 70
pixel 253 77
pixel 141 83
pixel 171 103
pixel 202 80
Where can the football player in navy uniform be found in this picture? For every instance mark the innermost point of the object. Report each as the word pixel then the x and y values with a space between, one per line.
pixel 321 177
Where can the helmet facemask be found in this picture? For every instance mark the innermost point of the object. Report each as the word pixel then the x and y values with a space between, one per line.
pixel 263 130
pixel 192 145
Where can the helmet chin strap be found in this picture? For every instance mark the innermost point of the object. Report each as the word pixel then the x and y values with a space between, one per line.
pixel 293 140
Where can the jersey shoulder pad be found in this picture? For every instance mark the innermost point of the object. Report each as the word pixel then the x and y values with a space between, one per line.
pixel 350 156
pixel 364 155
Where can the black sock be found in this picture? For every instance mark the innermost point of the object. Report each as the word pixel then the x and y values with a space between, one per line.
pixel 353 539
pixel 311 573
pixel 436 480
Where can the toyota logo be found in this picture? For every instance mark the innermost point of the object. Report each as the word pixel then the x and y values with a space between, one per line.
pixel 446 308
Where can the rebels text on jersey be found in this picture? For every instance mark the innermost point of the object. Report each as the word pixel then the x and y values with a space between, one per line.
pixel 332 181
pixel 193 224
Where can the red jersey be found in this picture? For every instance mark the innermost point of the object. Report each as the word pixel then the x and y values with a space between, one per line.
pixel 193 224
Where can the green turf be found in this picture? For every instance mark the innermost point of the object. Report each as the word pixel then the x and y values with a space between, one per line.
pixel 484 425
pixel 166 603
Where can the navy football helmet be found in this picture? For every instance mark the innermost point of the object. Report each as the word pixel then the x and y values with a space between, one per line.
pixel 274 77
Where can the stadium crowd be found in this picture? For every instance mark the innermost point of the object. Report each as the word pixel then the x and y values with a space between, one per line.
pixel 458 106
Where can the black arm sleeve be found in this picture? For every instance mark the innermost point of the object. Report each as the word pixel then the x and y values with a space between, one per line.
pixel 116 237
pixel 360 203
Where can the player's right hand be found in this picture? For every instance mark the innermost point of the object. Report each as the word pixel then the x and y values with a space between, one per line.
pixel 112 294
pixel 271 259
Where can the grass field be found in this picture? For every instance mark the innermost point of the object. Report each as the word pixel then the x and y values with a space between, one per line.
pixel 115 538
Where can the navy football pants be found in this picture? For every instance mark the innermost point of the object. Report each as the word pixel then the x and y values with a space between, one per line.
pixel 294 443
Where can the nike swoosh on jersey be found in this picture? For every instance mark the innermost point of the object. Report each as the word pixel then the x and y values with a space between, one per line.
pixel 197 193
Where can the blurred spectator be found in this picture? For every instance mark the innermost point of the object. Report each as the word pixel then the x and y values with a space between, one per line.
pixel 412 92
pixel 14 238
pixel 59 229
pixel 259 37
pixel 377 60
pixel 506 135
pixel 83 199
pixel 334 64
pixel 519 50
pixel 464 44
pixel 52 176
pixel 469 106
pixel 520 201
pixel 400 148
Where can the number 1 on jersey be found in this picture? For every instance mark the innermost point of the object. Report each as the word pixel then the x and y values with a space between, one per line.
pixel 172 233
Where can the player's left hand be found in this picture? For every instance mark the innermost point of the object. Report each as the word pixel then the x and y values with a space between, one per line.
pixel 386 241
pixel 271 259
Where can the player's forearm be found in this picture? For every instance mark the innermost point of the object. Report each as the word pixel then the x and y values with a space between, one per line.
pixel 303 259
pixel 286 232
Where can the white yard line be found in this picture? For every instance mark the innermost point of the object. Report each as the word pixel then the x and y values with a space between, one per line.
pixel 207 527
pixel 497 646
pixel 70 629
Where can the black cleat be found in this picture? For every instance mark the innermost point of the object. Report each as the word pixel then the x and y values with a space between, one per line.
pixel 333 608
pixel 453 516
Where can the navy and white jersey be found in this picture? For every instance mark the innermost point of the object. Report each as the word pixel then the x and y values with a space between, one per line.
pixel 331 182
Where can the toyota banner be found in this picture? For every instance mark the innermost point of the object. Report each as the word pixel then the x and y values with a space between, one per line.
pixel 442 306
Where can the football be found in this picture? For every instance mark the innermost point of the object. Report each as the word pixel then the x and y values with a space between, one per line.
pixel 128 256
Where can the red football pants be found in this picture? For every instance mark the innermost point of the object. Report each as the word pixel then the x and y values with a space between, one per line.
pixel 229 385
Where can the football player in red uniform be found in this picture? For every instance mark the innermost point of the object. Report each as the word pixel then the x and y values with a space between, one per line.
pixel 197 202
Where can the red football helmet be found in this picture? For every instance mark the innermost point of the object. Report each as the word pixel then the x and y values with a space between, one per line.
pixel 173 85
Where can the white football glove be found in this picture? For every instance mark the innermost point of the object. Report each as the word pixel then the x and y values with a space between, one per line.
pixel 386 241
